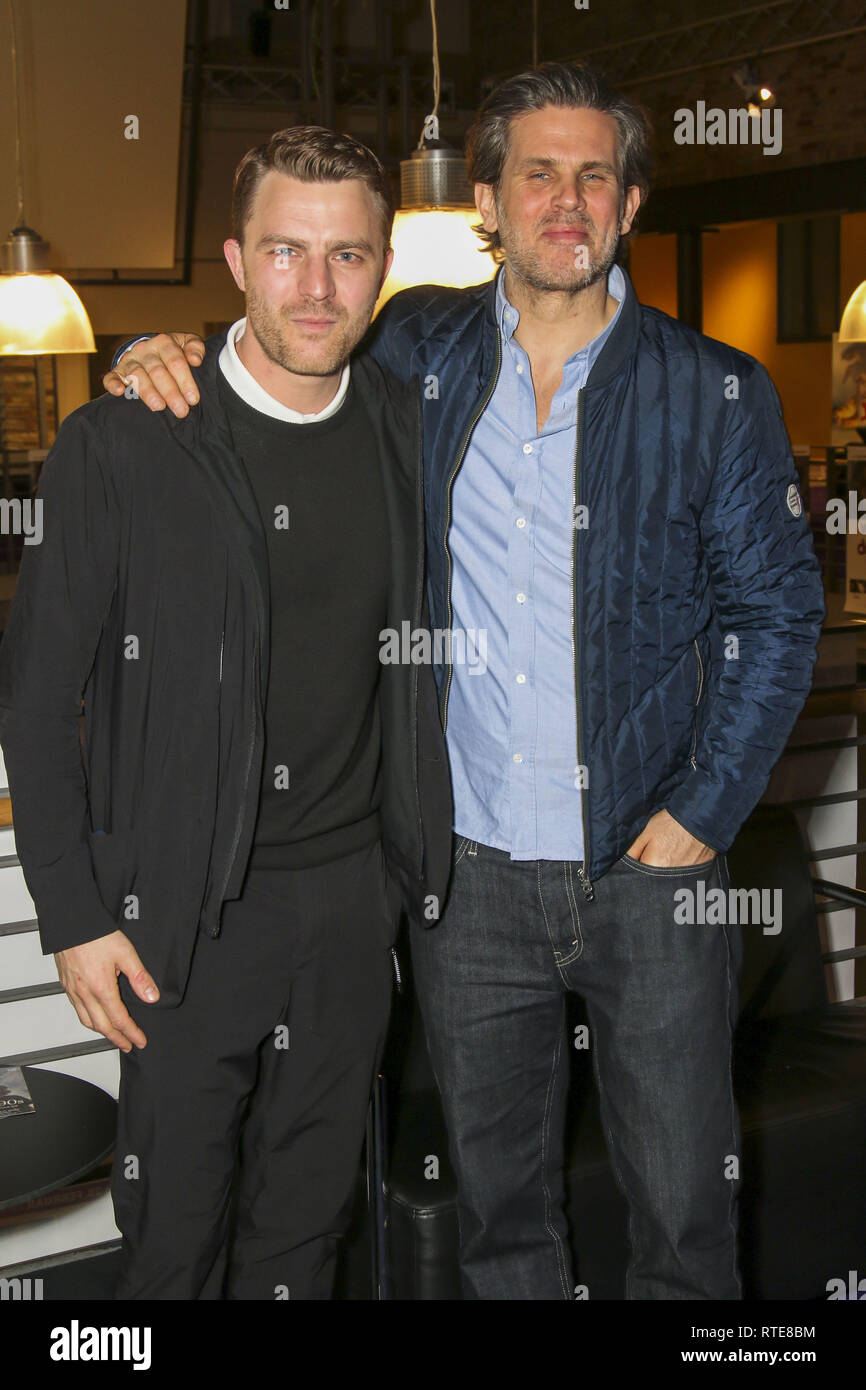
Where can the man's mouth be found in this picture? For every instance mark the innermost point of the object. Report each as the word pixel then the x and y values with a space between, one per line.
pixel 315 325
pixel 568 235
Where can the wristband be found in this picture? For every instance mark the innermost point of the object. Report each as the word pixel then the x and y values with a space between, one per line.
pixel 128 346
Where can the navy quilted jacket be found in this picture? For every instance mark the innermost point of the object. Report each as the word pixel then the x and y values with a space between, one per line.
pixel 698 599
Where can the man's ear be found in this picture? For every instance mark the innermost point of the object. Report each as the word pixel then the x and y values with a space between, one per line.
pixel 389 261
pixel 632 203
pixel 232 253
pixel 485 201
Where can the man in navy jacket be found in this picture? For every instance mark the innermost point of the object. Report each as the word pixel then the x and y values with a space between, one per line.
pixel 611 502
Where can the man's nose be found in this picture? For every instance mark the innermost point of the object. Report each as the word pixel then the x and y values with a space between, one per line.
pixel 316 280
pixel 570 192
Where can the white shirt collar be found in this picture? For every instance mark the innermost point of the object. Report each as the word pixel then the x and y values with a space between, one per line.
pixel 244 383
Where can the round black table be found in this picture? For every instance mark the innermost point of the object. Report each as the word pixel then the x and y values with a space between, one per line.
pixel 71 1130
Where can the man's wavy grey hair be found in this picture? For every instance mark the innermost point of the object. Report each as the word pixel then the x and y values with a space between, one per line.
pixel 556 84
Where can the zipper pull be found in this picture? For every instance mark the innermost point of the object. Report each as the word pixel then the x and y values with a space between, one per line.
pixel 398 977
pixel 588 890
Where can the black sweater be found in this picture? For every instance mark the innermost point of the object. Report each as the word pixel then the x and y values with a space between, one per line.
pixel 319 494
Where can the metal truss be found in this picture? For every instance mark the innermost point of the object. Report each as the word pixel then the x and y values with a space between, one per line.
pixel 252 84
pixel 247 85
pixel 751 32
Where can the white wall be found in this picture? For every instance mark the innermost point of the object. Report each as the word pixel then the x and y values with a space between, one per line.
pixel 30 1025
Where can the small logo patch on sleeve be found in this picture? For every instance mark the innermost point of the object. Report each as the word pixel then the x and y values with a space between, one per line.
pixel 795 505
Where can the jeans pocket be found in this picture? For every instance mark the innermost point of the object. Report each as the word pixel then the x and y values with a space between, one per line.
pixel 668 870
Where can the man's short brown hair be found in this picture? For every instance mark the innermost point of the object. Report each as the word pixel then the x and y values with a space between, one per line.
pixel 314 154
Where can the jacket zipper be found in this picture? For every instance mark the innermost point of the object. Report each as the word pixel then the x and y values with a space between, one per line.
pixel 697 702
pixel 419 604
pixel 239 825
pixel 241 815
pixel 215 931
pixel 582 873
pixel 460 453
pixel 397 976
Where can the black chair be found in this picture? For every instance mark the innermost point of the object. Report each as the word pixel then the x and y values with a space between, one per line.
pixel 800 1082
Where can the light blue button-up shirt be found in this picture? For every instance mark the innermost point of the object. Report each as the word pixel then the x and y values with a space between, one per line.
pixel 512 725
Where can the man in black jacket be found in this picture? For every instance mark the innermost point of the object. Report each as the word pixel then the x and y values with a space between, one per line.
pixel 220 856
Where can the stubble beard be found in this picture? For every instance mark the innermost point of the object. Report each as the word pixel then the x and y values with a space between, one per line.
pixel 266 322
pixel 524 261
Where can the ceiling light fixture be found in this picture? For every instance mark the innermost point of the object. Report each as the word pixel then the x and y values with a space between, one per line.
pixel 433 238
pixel 758 95
pixel 40 312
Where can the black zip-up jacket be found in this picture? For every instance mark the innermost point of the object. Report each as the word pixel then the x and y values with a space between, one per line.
pixel 147 600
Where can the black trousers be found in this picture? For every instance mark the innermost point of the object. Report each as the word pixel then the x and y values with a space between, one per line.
pixel 250 1097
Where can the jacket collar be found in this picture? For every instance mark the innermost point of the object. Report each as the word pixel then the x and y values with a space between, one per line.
pixel 208 416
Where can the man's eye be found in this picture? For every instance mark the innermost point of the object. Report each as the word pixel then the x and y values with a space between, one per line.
pixel 540 175
pixel 351 254
pixel 281 251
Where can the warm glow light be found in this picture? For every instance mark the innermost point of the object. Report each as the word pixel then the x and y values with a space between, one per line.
pixel 765 94
pixel 436 248
pixel 42 314
pixel 852 329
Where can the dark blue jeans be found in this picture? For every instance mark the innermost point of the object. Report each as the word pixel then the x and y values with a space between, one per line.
pixel 661 999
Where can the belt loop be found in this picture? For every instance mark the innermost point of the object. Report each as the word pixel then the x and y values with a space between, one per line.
pixel 473 848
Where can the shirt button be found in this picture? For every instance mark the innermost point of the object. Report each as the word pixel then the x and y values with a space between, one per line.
pixel 521 522
pixel 527 448
pixel 518 758
pixel 521 679
pixel 519 369
pixel 521 598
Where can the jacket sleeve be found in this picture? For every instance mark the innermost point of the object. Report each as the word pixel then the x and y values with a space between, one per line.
pixel 386 340
pixel 64 591
pixel 768 594
pixel 127 345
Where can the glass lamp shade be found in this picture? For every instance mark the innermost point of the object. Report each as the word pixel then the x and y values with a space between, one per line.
pixel 436 247
pixel 852 329
pixel 41 313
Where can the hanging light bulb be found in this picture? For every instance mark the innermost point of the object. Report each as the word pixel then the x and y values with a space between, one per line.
pixel 39 311
pixel 432 238
pixel 757 93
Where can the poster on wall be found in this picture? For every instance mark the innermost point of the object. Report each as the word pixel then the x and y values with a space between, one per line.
pixel 849 429
pixel 855 540
pixel 855 574
pixel 849 392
